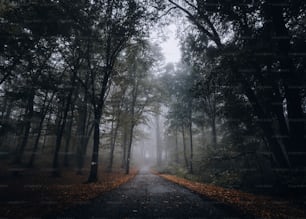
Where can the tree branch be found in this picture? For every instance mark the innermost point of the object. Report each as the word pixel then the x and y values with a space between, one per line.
pixel 213 36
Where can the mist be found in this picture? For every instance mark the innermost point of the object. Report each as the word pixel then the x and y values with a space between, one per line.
pixel 112 108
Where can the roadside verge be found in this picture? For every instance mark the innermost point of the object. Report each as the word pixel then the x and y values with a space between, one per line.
pixel 259 206
pixel 29 200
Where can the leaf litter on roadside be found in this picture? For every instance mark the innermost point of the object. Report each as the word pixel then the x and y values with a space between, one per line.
pixel 257 205
pixel 57 195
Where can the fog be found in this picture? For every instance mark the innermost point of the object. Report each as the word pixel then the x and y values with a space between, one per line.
pixel 93 91
pixel 145 148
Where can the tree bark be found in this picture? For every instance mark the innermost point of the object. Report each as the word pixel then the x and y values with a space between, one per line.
pixel 113 143
pixel 81 147
pixel 124 146
pixel 214 130
pixel 158 142
pixel 93 176
pixel 29 115
pixel 129 149
pixel 176 148
pixel 44 112
pixel 67 143
pixel 185 149
pixel 265 122
pixel 292 86
pixel 191 149
pixel 60 132
pixel 33 156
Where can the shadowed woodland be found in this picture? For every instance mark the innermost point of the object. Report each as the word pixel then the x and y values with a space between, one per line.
pixel 86 92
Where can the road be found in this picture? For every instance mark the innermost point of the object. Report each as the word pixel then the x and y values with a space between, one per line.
pixel 150 196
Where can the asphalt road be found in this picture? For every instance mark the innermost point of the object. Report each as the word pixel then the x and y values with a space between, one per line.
pixel 150 196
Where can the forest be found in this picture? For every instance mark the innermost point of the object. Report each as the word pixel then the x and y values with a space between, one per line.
pixel 85 91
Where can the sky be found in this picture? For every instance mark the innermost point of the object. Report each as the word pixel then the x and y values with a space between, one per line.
pixel 170 47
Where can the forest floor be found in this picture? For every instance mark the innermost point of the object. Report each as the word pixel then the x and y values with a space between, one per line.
pixel 34 193
pixel 251 204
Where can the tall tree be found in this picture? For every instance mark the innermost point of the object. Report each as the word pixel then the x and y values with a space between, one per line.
pixel 141 58
pixel 268 32
pixel 116 23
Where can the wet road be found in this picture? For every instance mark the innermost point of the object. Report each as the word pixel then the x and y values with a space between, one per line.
pixel 149 196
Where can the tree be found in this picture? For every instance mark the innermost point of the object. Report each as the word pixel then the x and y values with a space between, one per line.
pixel 180 114
pixel 117 102
pixel 260 35
pixel 75 45
pixel 115 22
pixel 142 99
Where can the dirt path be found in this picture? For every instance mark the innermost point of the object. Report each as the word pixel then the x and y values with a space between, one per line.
pixel 150 196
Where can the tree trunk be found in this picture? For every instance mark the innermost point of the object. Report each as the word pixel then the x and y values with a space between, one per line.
pixel 214 131
pixel 60 132
pixel 44 112
pixel 124 146
pixel 33 156
pixel 129 149
pixel 191 149
pixel 158 142
pixel 29 115
pixel 81 149
pixel 93 175
pixel 296 148
pixel 113 143
pixel 176 148
pixel 67 143
pixel 185 149
pixel 5 115
pixel 278 151
pixel 132 123
pixel 292 86
pixel 46 132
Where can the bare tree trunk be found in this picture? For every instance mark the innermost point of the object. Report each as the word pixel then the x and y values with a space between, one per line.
pixel 214 131
pixel 176 148
pixel 5 115
pixel 132 122
pixel 292 85
pixel 93 176
pixel 113 143
pixel 59 133
pixel 61 128
pixel 129 149
pixel 67 143
pixel 158 142
pixel 81 149
pixel 29 115
pixel 46 132
pixel 124 146
pixel 191 149
pixel 184 145
pixel 33 156
pixel 279 157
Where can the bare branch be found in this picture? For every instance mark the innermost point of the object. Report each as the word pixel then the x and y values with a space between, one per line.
pixel 214 36
pixel 167 12
pixel 191 5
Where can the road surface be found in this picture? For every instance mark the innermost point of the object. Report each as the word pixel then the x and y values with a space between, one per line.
pixel 150 196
